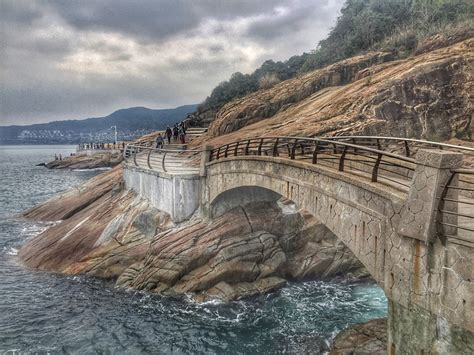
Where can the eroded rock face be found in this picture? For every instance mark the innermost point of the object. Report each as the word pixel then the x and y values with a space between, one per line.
pixel 101 239
pixel 266 103
pixel 427 96
pixel 247 251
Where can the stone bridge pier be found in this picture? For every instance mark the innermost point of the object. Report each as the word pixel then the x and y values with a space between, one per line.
pixel 429 281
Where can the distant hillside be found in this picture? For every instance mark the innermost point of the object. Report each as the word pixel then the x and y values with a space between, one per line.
pixel 131 123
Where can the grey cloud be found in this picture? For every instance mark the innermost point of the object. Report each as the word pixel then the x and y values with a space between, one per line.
pixel 303 13
pixel 73 59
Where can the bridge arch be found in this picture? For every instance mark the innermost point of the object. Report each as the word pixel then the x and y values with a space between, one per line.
pixel 356 212
pixel 240 196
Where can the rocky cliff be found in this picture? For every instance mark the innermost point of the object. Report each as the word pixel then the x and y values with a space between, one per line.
pixel 428 96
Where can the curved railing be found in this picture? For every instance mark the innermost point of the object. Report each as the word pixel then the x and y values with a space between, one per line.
pixel 376 164
pixel 379 160
pixel 455 219
pixel 407 146
pixel 165 160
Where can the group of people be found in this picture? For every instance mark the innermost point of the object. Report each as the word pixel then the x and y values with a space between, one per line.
pixel 94 146
pixel 178 132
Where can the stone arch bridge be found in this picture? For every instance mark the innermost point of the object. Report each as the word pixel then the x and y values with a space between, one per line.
pixel 404 207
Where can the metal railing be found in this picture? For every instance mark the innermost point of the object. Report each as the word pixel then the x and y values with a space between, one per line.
pixel 405 146
pixel 373 163
pixel 148 157
pixel 380 159
pixel 455 218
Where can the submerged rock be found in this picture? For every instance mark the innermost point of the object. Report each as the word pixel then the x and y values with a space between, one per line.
pixel 363 338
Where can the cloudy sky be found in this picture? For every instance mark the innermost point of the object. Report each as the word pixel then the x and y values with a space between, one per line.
pixel 76 59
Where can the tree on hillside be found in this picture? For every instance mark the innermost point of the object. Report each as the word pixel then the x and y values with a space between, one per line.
pixel 268 80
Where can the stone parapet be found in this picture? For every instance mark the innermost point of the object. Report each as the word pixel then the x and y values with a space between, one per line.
pixel 432 173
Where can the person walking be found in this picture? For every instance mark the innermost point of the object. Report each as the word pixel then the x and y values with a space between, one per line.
pixel 159 141
pixel 168 134
pixel 182 136
pixel 175 133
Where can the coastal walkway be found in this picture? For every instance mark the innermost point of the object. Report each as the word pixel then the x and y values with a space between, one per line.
pixel 404 207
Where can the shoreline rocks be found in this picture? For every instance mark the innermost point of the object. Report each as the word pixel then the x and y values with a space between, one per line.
pixel 107 159
pixel 107 232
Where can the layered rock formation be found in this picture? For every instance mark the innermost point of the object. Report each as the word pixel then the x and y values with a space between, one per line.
pixel 85 161
pixel 426 96
pixel 249 250
pixel 111 233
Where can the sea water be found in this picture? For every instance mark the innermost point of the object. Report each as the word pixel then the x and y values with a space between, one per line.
pixel 48 313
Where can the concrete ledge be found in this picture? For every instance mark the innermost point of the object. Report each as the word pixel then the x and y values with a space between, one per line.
pixel 177 195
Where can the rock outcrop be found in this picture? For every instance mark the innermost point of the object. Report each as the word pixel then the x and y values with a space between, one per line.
pixel 425 96
pixel 266 103
pixel 78 198
pixel 247 251
pixel 364 338
pixel 111 233
pixel 86 161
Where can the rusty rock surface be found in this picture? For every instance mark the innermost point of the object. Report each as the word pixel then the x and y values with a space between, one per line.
pixel 425 96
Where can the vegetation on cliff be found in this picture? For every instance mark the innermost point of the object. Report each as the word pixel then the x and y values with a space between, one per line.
pixel 428 96
pixel 399 26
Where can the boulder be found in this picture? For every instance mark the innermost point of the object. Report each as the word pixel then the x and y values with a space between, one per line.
pixel 364 338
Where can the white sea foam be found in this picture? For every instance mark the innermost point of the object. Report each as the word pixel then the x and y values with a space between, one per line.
pixel 12 251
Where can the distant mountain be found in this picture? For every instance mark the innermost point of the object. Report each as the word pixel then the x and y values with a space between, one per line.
pixel 131 123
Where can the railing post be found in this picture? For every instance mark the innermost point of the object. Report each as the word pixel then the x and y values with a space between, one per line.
pixel 236 150
pixel 148 160
pixel 293 150
pixel 342 158
pixel 432 175
pixel 375 171
pixel 247 147
pixel 259 150
pixel 218 153
pixel 163 162
pixel 205 158
pixel 135 158
pixel 226 151
pixel 315 153
pixel 407 149
pixel 275 148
